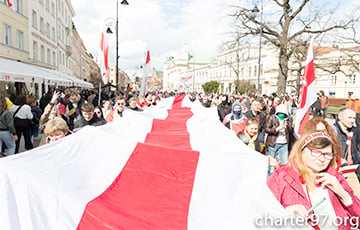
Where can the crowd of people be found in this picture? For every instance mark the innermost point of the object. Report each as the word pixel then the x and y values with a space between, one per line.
pixel 302 169
pixel 59 113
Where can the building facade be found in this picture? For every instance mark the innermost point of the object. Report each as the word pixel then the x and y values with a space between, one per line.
pixel 336 70
pixel 41 33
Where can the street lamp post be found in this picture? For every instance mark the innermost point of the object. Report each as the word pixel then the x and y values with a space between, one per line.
pixel 123 2
pixel 259 58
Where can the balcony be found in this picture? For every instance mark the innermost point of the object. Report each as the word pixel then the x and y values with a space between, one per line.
pixel 68 51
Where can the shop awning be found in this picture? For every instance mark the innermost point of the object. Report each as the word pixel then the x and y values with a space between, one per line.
pixel 14 71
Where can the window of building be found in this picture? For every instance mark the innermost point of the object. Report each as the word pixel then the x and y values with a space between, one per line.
pixel 19 6
pixel 54 58
pixel 34 19
pixel 249 71
pixel 48 30
pixel 35 50
pixel 19 40
pixel 41 25
pixel 63 59
pixel 42 54
pixel 352 79
pixel 53 9
pixel 59 57
pixel 7 35
pixel 255 70
pixel 333 80
pixel 48 56
pixel 53 33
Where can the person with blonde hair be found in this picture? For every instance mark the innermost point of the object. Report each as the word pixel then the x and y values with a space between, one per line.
pixel 310 178
pixel 55 129
pixel 7 128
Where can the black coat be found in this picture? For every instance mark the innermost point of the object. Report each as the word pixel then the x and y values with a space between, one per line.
pixel 223 110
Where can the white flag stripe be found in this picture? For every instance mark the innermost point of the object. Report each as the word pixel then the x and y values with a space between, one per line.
pixel 49 187
pixel 229 177
pixel 300 112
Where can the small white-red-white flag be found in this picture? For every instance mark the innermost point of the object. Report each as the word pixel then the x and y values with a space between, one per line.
pixel 308 92
pixel 9 3
pixel 103 57
pixel 147 69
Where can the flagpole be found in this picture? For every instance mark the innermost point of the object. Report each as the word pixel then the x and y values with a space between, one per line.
pixel 99 95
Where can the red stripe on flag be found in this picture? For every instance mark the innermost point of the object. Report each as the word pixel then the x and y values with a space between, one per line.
pixel 303 122
pixel 147 57
pixel 154 188
pixel 309 77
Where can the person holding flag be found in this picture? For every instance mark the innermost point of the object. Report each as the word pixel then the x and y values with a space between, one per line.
pixel 147 69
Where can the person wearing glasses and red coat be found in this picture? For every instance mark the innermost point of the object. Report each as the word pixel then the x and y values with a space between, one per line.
pixel 310 178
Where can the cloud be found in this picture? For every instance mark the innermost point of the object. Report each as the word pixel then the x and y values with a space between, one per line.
pixel 162 26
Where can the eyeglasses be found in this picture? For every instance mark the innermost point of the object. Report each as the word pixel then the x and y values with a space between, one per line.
pixel 317 153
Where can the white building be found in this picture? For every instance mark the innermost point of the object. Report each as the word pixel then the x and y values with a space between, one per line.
pixel 244 60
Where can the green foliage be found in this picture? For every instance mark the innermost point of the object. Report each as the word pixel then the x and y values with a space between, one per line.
pixel 210 86
pixel 245 87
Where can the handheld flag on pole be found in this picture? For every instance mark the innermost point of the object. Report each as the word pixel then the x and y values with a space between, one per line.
pixel 308 92
pixel 103 57
pixel 9 3
pixel 143 88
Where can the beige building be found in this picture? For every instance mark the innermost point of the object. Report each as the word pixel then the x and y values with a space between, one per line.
pixel 123 78
pixel 14 31
pixel 36 47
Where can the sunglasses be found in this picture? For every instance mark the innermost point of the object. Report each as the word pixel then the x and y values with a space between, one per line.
pixel 122 103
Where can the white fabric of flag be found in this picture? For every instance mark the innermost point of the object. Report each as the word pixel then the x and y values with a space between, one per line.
pixel 103 57
pixel 147 70
pixel 50 186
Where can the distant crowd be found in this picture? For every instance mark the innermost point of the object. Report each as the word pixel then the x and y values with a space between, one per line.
pixel 297 164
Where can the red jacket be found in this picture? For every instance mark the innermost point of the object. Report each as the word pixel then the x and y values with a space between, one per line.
pixel 285 184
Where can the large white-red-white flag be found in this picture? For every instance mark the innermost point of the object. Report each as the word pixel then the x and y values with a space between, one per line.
pixel 175 166
pixel 103 57
pixel 147 70
pixel 307 93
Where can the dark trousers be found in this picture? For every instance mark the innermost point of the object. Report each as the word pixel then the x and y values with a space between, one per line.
pixel 26 133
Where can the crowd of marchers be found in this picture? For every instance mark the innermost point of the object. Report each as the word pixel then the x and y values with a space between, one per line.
pixel 60 112
pixel 302 169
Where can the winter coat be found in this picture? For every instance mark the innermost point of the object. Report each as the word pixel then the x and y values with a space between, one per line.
pixel 355 153
pixel 223 110
pixel 95 121
pixel 270 128
pixel 286 185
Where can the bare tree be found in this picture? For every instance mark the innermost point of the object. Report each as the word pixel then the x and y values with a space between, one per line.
pixel 242 54
pixel 285 23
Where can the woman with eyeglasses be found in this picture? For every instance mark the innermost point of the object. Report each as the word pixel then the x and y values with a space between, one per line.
pixel 98 112
pixel 310 178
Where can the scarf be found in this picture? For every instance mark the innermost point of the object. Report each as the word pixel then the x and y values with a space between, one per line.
pixel 252 139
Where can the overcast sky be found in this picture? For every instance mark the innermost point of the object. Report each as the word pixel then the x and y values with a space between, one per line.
pixel 162 26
